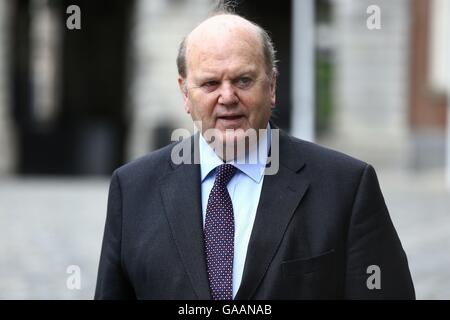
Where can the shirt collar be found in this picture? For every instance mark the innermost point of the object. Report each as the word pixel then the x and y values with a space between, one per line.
pixel 209 160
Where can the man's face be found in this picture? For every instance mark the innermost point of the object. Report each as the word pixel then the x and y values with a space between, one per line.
pixel 227 86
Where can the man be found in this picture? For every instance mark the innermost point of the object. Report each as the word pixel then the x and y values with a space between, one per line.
pixel 222 229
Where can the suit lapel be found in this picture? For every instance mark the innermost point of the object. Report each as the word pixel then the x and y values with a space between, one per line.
pixel 280 196
pixel 180 192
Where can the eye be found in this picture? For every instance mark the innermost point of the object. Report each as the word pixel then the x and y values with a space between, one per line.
pixel 244 82
pixel 210 85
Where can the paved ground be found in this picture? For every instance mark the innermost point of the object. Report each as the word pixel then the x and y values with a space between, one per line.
pixel 50 224
pixel 420 209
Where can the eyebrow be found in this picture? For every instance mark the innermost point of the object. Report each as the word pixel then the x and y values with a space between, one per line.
pixel 210 77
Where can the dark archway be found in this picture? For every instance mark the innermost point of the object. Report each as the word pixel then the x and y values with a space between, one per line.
pixel 88 130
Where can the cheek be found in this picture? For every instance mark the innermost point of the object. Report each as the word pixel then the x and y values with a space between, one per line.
pixel 202 106
pixel 258 105
pixel 260 115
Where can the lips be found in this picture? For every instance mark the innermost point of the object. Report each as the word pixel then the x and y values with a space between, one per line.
pixel 230 117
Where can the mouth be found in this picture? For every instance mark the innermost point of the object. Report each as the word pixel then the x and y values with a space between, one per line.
pixel 233 121
pixel 230 117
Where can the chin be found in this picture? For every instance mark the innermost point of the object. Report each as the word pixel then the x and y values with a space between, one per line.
pixel 234 136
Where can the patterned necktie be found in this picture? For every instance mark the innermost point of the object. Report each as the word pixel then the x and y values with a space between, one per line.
pixel 219 235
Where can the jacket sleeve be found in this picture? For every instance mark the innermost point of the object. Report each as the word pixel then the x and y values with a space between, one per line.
pixel 112 282
pixel 376 264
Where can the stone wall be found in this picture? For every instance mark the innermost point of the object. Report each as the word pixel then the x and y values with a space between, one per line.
pixel 371 84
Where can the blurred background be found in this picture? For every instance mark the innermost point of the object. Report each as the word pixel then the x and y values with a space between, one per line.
pixel 367 77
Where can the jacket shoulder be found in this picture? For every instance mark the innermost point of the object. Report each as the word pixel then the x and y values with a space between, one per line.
pixel 324 157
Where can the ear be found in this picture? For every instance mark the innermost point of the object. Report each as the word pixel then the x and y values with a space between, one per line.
pixel 273 88
pixel 184 92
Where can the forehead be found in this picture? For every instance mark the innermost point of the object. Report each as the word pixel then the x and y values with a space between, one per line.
pixel 227 43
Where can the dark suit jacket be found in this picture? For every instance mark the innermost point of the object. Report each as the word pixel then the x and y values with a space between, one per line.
pixel 320 223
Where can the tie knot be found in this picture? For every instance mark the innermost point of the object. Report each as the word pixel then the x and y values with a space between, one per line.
pixel 224 174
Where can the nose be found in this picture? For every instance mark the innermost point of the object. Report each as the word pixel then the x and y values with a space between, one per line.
pixel 227 94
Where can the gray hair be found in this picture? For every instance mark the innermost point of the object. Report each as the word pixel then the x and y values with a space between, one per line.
pixel 268 47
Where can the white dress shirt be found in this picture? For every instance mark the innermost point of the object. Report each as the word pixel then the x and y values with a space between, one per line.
pixel 244 189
